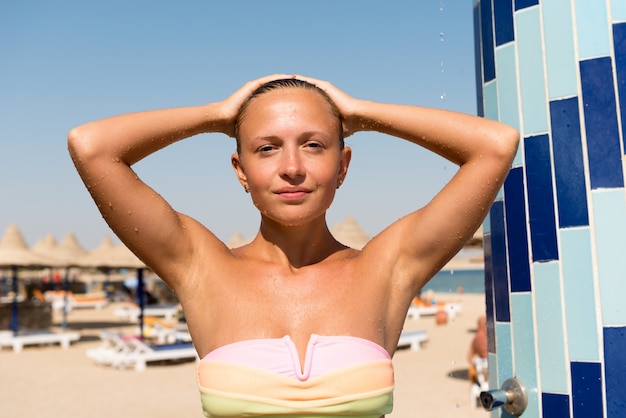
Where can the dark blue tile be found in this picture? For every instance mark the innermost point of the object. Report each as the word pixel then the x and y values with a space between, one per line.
pixel 540 198
pixel 486 41
pixel 615 371
pixel 522 4
pixel 555 405
pixel 499 263
pixel 587 389
pixel 503 18
pixel 516 232
pixel 478 73
pixel 571 188
pixel 489 295
pixel 600 113
pixel 619 45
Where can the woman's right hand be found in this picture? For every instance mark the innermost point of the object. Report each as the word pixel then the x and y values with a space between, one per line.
pixel 231 106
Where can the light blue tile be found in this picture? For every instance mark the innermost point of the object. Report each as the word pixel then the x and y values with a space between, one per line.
pixel 525 360
pixel 504 350
pixel 593 29
pixel 494 381
pixel 507 85
pixel 618 11
pixel 531 72
pixel 609 214
pixel 490 94
pixel 579 291
pixel 559 42
pixel 523 331
pixel 550 327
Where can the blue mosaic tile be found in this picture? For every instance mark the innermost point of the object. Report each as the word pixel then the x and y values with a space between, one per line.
pixel 555 405
pixel 618 10
pixel 523 4
pixel 580 294
pixel 503 21
pixel 532 78
pixel 614 369
pixel 540 198
pixel 603 143
pixel 491 100
pixel 489 294
pixel 571 187
pixel 609 218
pixel 517 237
pixel 478 66
pixel 560 49
pixel 592 27
pixel 486 41
pixel 499 263
pixel 524 354
pixel 504 350
pixel 507 86
pixel 550 327
pixel 619 45
pixel 586 389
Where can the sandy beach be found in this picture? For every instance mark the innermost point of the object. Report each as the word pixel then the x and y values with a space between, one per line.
pixel 61 383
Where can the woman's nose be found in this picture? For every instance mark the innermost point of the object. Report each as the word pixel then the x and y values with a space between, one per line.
pixel 291 164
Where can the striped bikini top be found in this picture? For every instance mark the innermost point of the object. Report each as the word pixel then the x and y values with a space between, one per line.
pixel 341 376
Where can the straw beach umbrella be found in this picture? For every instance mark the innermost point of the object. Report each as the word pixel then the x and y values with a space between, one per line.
pixel 14 253
pixel 68 253
pixel 350 233
pixel 109 256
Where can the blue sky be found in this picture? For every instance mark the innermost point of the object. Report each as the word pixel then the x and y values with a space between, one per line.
pixel 64 63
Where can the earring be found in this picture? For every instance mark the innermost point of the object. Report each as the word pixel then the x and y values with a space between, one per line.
pixel 246 189
pixel 339 183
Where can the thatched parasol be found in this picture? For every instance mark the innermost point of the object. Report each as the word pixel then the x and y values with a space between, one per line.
pixel 14 253
pixel 350 233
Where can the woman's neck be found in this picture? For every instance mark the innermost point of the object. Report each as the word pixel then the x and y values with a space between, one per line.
pixel 296 246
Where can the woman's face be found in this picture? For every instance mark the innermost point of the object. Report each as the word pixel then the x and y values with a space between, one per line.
pixel 290 156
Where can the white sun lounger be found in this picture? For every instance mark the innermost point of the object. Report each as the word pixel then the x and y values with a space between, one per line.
pixel 112 347
pixel 43 337
pixel 413 339
pixel 132 313
pixel 415 312
pixel 142 353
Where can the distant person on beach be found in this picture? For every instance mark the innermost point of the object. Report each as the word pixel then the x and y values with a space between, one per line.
pixel 300 324
pixel 478 346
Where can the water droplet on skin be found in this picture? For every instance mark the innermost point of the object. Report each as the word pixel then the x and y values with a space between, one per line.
pixel 136 231
pixel 130 213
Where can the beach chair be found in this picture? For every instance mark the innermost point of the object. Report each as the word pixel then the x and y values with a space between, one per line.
pixel 112 348
pixel 418 310
pixel 141 354
pixel 480 381
pixel 412 339
pixel 131 313
pixel 36 337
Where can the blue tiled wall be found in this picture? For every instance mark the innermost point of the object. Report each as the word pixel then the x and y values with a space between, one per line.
pixel 555 239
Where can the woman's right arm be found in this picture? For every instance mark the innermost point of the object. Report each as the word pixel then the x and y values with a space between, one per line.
pixel 103 152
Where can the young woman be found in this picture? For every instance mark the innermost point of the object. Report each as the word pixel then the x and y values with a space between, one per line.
pixel 293 323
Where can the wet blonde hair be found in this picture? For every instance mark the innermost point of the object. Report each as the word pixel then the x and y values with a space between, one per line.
pixel 281 84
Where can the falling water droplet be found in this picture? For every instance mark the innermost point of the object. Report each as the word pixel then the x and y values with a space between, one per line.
pixel 441 37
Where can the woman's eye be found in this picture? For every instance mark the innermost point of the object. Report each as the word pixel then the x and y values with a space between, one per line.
pixel 314 145
pixel 266 148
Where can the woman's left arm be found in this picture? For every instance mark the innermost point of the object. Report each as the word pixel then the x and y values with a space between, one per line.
pixel 482 148
pixel 423 241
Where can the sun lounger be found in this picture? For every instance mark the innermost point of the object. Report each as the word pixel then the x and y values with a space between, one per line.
pixel 413 339
pixel 43 337
pixel 112 347
pixel 57 298
pixel 142 353
pixel 132 312
pixel 415 312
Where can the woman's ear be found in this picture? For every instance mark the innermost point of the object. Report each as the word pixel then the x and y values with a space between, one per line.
pixel 346 156
pixel 235 160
